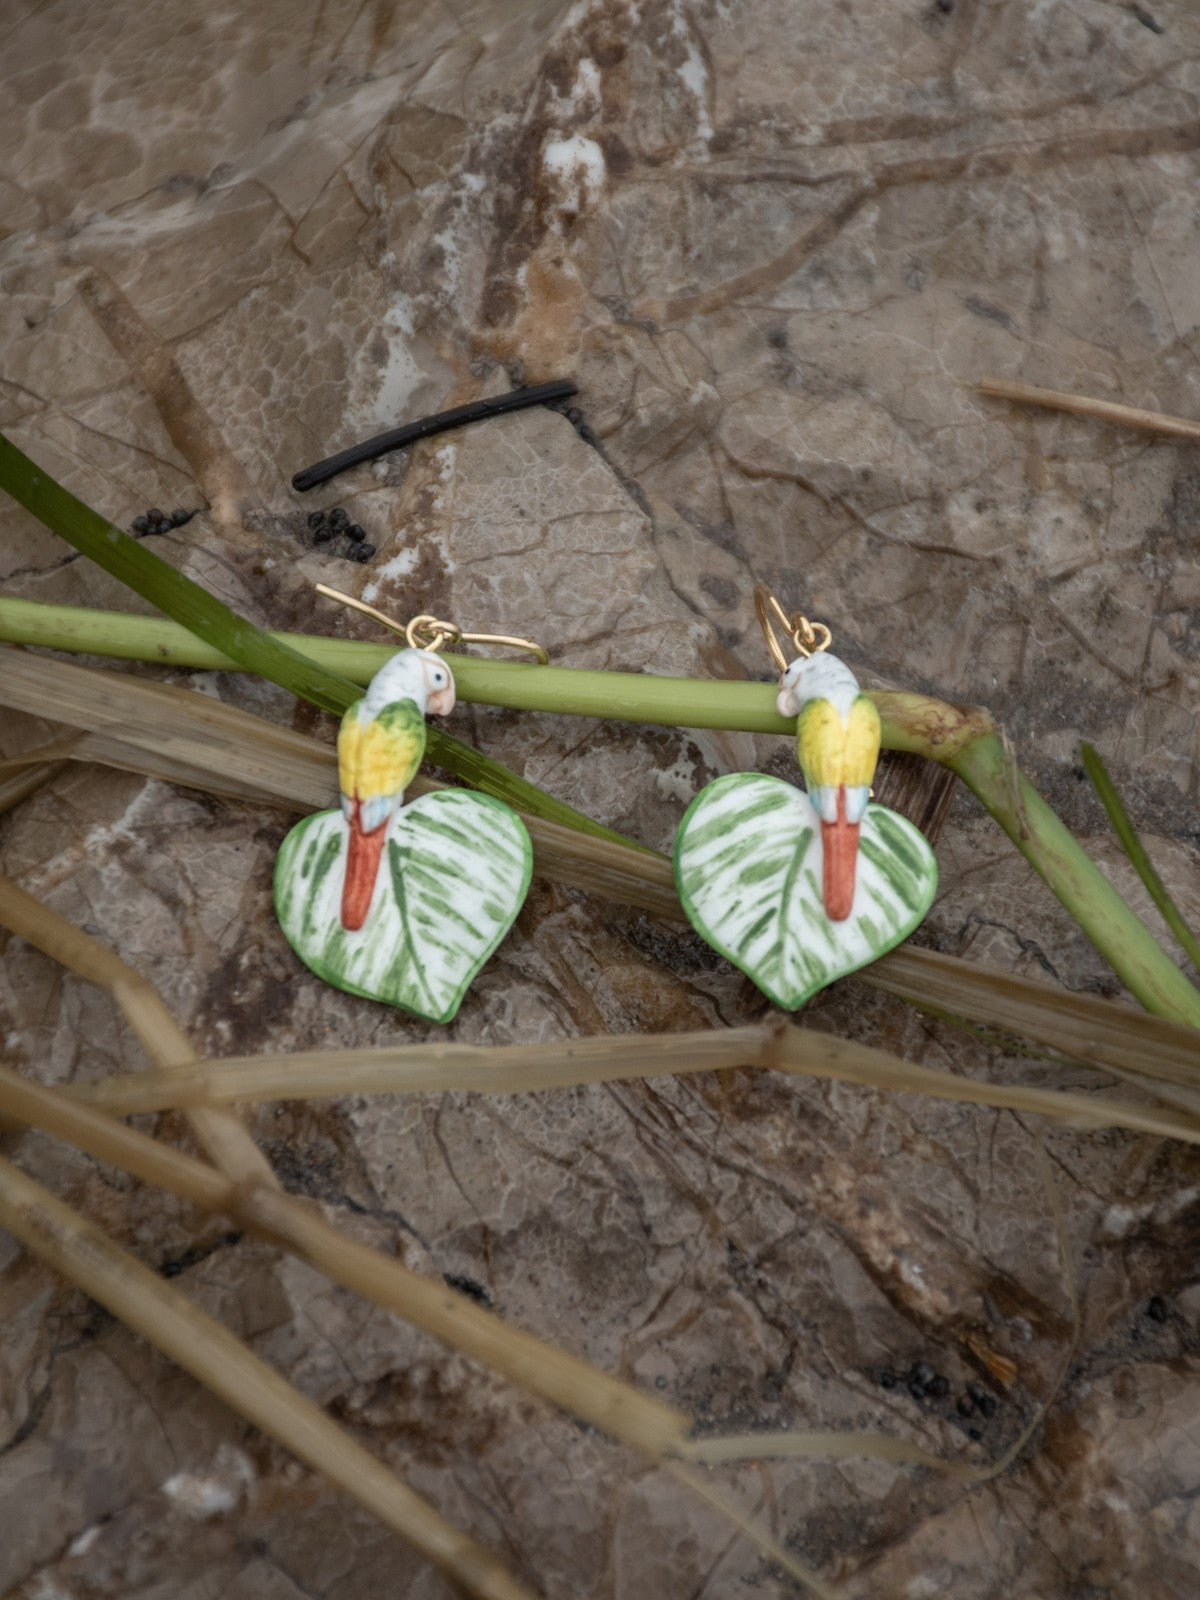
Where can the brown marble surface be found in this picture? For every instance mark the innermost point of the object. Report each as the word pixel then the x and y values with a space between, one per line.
pixel 775 242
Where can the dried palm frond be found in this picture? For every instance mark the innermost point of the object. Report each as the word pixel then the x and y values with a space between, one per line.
pixel 524 1069
pixel 165 1317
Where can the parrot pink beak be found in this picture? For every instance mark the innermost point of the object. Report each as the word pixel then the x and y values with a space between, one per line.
pixel 786 702
pixel 441 702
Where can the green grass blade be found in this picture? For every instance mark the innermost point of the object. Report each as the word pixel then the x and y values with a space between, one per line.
pixel 251 648
pixel 159 582
pixel 494 778
pixel 1136 851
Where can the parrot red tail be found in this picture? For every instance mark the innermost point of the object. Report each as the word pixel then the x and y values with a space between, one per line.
pixel 362 868
pixel 839 845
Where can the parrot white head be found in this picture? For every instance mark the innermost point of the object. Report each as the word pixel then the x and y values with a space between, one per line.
pixel 816 677
pixel 418 675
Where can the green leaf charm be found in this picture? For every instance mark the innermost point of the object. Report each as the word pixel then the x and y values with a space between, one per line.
pixel 454 873
pixel 748 866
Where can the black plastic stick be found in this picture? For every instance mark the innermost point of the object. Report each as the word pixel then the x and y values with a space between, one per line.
pixel 516 400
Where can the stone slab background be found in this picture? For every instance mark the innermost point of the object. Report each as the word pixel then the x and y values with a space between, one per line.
pixel 775 241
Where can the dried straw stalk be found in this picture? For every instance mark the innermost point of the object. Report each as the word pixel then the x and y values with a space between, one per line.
pixel 164 1317
pixel 1083 405
pixel 219 1132
pixel 616 1408
pixel 523 1069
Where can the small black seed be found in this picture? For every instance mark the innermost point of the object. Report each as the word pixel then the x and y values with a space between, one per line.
pixel 155 515
pixel 922 1373
pixel 574 415
pixel 987 1406
pixel 887 1380
pixel 140 524
pixel 355 532
pixel 338 518
pixel 939 1388
pixel 365 552
pixel 974 1433
pixel 358 552
pixel 977 1392
pixel 917 1390
pixel 322 532
pixel 179 516
pixel 1157 1309
pixel 316 519
pixel 966 1406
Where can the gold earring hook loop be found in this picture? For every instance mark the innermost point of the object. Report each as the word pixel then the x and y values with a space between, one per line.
pixel 808 637
pixel 432 633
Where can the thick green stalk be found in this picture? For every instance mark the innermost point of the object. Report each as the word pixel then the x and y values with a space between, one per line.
pixel 1120 936
pixel 911 722
pixel 962 738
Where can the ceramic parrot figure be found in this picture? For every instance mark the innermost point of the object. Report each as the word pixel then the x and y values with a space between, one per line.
pixel 380 745
pixel 401 902
pixel 837 745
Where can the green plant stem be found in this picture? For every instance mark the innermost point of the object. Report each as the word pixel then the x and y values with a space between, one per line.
pixel 911 722
pixel 1136 851
pixel 961 738
pixel 1120 936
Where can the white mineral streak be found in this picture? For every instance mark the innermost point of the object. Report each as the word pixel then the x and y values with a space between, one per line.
pixel 397 379
pixel 397 566
pixel 693 71
pixel 576 165
pixel 199 1498
pixel 583 98
pixel 202 1495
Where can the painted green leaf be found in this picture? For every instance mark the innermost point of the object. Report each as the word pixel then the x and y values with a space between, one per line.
pixel 454 873
pixel 748 870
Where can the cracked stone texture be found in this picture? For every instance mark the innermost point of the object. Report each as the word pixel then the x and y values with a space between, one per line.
pixel 774 242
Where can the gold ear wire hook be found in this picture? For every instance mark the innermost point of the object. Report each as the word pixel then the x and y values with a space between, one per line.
pixel 510 641
pixel 431 633
pixel 808 637
pixel 361 605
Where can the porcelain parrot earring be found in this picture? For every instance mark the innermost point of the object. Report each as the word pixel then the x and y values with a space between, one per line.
pixel 800 888
pixel 402 903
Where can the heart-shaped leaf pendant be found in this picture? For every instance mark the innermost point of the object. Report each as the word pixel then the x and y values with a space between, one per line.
pixel 748 866
pixel 454 873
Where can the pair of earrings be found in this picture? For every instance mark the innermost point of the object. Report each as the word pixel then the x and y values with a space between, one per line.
pixel 405 903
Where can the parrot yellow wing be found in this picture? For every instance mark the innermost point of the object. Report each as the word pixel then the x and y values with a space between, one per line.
pixel 860 751
pixel 378 758
pixel 819 735
pixel 376 763
pixel 832 752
